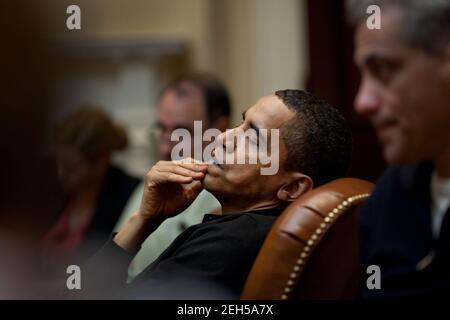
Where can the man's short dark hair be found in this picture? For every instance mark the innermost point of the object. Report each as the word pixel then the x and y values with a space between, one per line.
pixel 317 139
pixel 425 23
pixel 217 100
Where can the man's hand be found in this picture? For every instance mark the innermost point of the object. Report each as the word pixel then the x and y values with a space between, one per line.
pixel 170 187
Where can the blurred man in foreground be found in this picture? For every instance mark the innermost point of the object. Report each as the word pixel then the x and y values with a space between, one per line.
pixel 405 93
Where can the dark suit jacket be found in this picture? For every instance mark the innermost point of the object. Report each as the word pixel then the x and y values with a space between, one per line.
pixel 396 235
pixel 115 192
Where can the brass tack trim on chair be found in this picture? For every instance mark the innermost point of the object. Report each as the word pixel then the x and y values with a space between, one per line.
pixel 315 239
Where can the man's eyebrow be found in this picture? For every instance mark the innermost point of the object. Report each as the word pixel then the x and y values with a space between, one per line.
pixel 252 125
pixel 377 57
pixel 371 59
pixel 256 128
pixel 365 59
pixel 159 124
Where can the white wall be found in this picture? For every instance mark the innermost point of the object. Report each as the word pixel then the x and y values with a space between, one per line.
pixel 261 46
pixel 127 92
pixel 254 46
pixel 184 20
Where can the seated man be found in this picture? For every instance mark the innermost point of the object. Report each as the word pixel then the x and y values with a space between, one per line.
pixel 404 92
pixel 212 259
pixel 192 97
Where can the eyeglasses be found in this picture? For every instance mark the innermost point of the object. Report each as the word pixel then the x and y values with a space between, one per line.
pixel 157 131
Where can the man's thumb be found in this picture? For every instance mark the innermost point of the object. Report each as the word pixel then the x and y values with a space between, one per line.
pixel 196 187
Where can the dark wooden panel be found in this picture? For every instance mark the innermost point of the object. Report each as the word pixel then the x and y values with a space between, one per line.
pixel 334 77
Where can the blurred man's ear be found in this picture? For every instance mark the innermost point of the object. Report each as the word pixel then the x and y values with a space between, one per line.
pixel 297 185
pixel 222 123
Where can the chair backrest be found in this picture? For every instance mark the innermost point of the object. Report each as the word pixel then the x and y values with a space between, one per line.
pixel 312 249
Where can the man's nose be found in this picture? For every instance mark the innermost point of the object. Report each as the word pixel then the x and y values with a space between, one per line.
pixel 165 153
pixel 367 100
pixel 165 147
pixel 226 139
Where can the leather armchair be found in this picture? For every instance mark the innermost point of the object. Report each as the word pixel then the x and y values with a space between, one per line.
pixel 312 249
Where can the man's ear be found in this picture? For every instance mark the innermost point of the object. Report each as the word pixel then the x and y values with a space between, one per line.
pixel 297 185
pixel 222 123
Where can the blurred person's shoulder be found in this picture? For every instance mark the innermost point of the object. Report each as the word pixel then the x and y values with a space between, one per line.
pixel 399 189
pixel 116 173
pixel 404 179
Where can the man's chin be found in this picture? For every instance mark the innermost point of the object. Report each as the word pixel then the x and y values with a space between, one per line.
pixel 209 183
pixel 214 185
pixel 396 155
pixel 391 154
pixel 393 147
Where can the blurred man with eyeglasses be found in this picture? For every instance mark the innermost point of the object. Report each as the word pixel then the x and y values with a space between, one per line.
pixel 192 97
